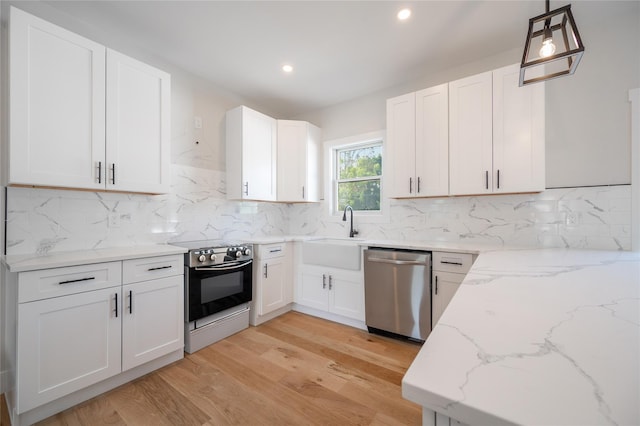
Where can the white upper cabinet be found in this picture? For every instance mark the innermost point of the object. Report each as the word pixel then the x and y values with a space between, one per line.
pixel 401 145
pixel 79 113
pixel 518 133
pixel 470 135
pixel 432 141
pixel 251 155
pixel 56 106
pixel 299 171
pixel 417 143
pixel 138 117
pixel 496 134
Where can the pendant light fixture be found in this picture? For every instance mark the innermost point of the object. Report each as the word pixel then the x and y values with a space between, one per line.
pixel 553 47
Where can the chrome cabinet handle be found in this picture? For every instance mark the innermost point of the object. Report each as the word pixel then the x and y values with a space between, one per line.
pixel 330 282
pixel 99 171
pixel 324 281
pixel 446 262
pixel 246 188
pixel 410 185
pixel 130 301
pixel 436 284
pixel 418 191
pixel 498 179
pixel 303 192
pixel 266 270
pixel 116 305
pixel 486 179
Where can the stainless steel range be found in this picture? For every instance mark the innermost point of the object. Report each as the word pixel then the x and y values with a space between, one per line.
pixel 218 289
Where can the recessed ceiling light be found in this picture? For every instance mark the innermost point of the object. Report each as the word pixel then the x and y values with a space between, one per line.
pixel 404 14
pixel 287 68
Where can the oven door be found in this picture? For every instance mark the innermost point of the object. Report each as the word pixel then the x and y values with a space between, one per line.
pixel 213 289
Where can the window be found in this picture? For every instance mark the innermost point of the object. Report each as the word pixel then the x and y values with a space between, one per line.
pixel 358 177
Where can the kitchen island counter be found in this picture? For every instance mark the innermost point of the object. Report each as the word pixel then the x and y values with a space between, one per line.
pixel 536 337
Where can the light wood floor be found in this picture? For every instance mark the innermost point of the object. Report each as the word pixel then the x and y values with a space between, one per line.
pixel 293 370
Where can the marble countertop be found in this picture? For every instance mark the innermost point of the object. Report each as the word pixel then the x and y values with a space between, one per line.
pixel 456 247
pixel 544 337
pixel 31 262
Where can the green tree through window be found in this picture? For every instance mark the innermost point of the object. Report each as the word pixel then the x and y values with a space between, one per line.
pixel 358 177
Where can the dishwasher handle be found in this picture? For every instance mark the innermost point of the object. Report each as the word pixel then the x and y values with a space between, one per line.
pixel 397 262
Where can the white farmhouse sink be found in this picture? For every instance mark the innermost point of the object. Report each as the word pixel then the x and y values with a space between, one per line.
pixel 333 252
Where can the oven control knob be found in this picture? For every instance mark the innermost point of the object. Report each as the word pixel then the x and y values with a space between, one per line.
pixel 202 258
pixel 213 257
pixel 238 253
pixel 246 251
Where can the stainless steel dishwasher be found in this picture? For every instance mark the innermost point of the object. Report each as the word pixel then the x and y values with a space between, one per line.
pixel 397 292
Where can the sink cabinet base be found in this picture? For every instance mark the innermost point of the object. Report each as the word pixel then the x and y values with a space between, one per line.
pixel 329 316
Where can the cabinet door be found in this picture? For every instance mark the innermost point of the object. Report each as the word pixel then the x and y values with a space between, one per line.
pixel 259 156
pixel 66 344
pixel 346 296
pixel 138 118
pixel 518 133
pixel 432 141
pixel 298 161
pixel 401 140
pixel 292 160
pixel 445 285
pixel 152 321
pixel 313 289
pixel 271 286
pixel 56 106
pixel 470 135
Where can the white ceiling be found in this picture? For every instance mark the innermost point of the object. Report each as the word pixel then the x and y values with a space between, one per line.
pixel 341 50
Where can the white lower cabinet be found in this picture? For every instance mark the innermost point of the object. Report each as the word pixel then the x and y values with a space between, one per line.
pixel 77 326
pixel 449 270
pixel 67 343
pixel 333 290
pixel 272 281
pixel 152 321
pixel 445 285
pixel 271 293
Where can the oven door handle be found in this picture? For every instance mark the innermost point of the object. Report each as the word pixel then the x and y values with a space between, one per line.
pixel 236 265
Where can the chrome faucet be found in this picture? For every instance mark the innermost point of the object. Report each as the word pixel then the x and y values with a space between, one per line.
pixel 352 231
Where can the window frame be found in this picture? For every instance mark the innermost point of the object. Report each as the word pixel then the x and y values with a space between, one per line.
pixel 337 181
pixel 331 148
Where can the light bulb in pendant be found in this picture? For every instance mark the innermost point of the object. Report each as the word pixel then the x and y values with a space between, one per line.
pixel 548 48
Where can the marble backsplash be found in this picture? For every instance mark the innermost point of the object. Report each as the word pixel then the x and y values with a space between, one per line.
pixel 589 218
pixel 44 220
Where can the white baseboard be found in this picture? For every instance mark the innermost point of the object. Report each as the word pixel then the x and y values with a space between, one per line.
pixel 329 316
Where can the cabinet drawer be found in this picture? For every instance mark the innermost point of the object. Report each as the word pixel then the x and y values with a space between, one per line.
pixel 452 262
pixel 271 251
pixel 54 282
pixel 150 268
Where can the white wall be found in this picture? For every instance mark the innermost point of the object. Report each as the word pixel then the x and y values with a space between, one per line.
pixel 588 130
pixel 3 105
